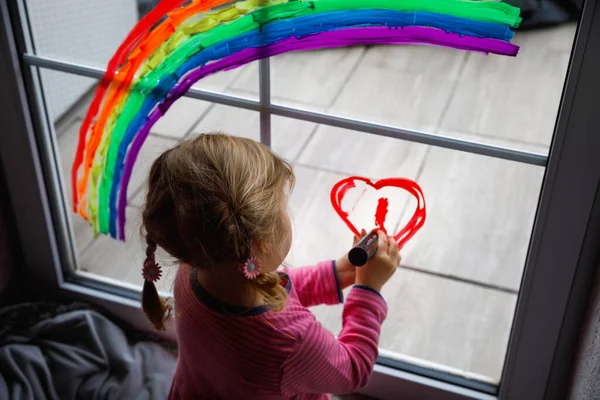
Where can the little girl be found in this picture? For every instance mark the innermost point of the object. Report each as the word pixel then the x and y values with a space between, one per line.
pixel 218 204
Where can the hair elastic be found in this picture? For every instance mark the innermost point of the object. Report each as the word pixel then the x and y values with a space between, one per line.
pixel 151 271
pixel 251 268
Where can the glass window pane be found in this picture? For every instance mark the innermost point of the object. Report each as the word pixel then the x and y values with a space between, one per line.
pixel 67 96
pixel 89 33
pixel 224 81
pixel 452 302
pixel 449 92
pixel 310 80
pixel 461 273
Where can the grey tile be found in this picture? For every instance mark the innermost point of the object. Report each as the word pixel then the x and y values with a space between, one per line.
pixel 357 153
pixel 513 98
pixel 287 135
pixel 427 60
pixel 403 99
pixel 186 111
pixel 153 147
pixel 556 38
pixel 77 111
pixel 523 108
pixel 312 78
pixel 181 117
pixel 138 199
pixel 493 320
pixel 81 109
pixel 67 140
pixel 114 259
pixel 82 232
pixel 480 213
pixel 223 81
pixel 448 322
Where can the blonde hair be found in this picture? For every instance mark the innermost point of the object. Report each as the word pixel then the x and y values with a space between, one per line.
pixel 210 200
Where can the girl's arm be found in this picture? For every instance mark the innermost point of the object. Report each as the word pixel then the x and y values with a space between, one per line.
pixel 317 284
pixel 323 364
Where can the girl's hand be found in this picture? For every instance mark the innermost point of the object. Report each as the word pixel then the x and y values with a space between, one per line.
pixel 346 272
pixel 380 268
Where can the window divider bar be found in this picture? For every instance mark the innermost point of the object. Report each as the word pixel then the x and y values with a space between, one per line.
pixel 266 109
pixel 264 79
pixel 413 136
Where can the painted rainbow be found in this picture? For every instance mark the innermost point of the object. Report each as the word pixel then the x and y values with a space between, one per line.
pixel 182 41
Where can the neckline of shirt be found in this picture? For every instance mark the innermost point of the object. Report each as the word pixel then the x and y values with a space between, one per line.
pixel 228 309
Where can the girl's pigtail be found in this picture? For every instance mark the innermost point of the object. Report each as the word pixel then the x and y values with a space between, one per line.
pixel 267 284
pixel 274 294
pixel 155 308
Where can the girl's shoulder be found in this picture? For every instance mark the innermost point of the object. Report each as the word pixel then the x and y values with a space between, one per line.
pixel 187 288
pixel 193 301
pixel 295 318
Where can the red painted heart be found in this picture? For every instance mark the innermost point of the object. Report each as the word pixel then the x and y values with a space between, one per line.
pixel 414 224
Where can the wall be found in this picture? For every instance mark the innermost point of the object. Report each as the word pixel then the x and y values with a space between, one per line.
pixel 586 374
pixel 82 31
pixel 6 260
pixel 6 251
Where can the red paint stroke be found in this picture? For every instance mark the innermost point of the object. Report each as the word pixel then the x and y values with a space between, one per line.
pixel 381 214
pixel 132 39
pixel 340 189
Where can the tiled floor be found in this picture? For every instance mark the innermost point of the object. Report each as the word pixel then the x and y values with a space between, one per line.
pixel 453 301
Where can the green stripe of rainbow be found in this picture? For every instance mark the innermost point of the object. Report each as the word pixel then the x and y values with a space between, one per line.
pixel 162 51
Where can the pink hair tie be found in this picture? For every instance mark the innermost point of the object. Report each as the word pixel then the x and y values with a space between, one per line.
pixel 151 271
pixel 251 268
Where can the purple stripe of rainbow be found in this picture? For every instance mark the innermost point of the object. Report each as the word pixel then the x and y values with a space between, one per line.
pixel 331 39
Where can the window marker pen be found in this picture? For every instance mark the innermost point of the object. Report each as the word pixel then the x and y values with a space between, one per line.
pixel 365 249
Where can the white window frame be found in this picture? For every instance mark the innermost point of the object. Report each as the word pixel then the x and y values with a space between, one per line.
pixel 562 255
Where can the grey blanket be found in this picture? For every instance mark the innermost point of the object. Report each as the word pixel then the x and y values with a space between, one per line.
pixel 77 353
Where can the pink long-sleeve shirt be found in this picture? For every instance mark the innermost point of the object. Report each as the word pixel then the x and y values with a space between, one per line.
pixel 229 352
